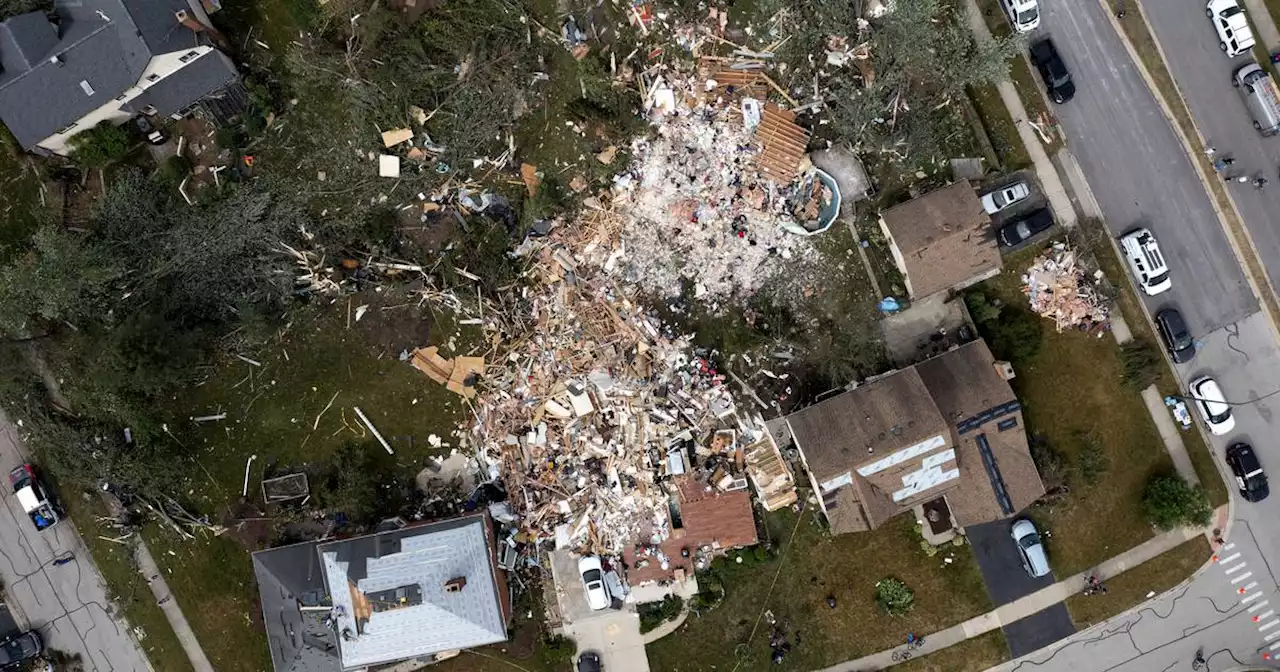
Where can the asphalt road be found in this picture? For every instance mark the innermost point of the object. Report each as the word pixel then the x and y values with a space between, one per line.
pixel 1138 170
pixel 1203 74
pixel 67 603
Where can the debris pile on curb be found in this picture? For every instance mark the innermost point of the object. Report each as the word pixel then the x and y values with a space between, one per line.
pixel 1058 288
pixel 589 414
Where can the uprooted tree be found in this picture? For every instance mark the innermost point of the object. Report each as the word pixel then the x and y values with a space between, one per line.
pixel 912 65
pixel 1170 501
pixel 894 597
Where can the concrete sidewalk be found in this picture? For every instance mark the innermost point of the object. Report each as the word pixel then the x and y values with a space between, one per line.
pixel 1263 23
pixel 1026 606
pixel 1050 182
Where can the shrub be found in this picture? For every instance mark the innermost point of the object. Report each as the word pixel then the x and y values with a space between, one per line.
pixel 928 548
pixel 1016 336
pixel 1141 364
pixel 980 308
pixel 958 541
pixel 653 614
pixel 1052 466
pixel 101 145
pixel 557 650
pixel 175 168
pixel 1171 501
pixel 894 597
pixel 1092 463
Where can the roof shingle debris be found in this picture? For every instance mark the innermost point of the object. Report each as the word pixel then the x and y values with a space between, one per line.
pixel 1061 289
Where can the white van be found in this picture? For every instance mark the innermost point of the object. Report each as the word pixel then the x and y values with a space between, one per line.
pixel 1259 92
pixel 1146 261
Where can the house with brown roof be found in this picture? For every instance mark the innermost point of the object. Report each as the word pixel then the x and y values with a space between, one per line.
pixel 945 434
pixel 704 517
pixel 942 240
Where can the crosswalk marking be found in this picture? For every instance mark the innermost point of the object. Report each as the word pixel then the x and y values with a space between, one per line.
pixel 1275 646
pixel 1250 586
pixel 1270 625
pixel 1272 635
pixel 1228 547
pixel 1229 558
pixel 1258 605
pixel 1250 598
pixel 1269 612
pixel 1236 568
pixel 1242 577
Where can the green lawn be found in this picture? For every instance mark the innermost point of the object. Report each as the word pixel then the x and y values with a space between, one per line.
pixel 972 655
pixel 1070 389
pixel 999 126
pixel 127 587
pixel 813 566
pixel 1132 587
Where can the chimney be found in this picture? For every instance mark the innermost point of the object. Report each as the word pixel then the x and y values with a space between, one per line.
pixel 455 585
pixel 1004 369
pixel 191 22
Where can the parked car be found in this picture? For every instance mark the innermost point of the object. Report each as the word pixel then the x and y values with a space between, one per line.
pixel 1057 79
pixel 1023 14
pixel 1145 260
pixel 148 130
pixel 1017 231
pixel 1234 35
pixel 1004 197
pixel 1250 478
pixel 1029 547
pixel 593 581
pixel 1261 97
pixel 24 647
pixel 1213 406
pixel 34 497
pixel 1177 337
pixel 589 661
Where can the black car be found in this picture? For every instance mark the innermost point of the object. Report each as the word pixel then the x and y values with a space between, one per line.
pixel 1249 476
pixel 1019 230
pixel 1053 71
pixel 26 646
pixel 589 661
pixel 1177 337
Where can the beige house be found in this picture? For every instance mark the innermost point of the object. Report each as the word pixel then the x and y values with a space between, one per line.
pixel 946 433
pixel 941 241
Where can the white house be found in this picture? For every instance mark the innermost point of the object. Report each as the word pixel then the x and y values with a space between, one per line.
pixel 91 61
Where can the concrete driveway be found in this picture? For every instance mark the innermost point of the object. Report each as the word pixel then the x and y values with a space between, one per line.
pixel 614 633
pixel 67 603
pixel 1007 580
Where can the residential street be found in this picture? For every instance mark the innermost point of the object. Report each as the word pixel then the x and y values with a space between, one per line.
pixel 1203 74
pixel 67 603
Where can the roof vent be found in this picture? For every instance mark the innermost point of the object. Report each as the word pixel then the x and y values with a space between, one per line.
pixel 84 86
pixel 57 61
pixel 455 585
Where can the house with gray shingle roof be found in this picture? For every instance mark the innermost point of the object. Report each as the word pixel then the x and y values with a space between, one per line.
pixel 418 593
pixel 91 61
pixel 945 434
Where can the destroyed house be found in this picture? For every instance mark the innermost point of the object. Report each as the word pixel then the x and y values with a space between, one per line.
pixel 94 61
pixel 413 594
pixel 946 430
pixel 941 241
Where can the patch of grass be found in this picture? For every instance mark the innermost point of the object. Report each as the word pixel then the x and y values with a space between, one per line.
pixel 1097 239
pixel 972 655
pixel 1132 587
pixel 1000 128
pixel 127 587
pixel 815 565
pixel 1070 388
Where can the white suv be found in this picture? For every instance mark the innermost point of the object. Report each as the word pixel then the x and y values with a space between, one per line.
pixel 1213 406
pixel 1023 14
pixel 1234 35
pixel 1146 261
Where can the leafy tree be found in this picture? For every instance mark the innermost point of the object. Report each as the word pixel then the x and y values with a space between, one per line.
pixel 101 145
pixel 1016 336
pixel 1052 466
pixel 981 308
pixel 894 597
pixel 1142 364
pixel 1171 501
pixel 63 278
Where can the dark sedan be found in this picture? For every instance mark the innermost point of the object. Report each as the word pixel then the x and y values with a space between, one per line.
pixel 1177 337
pixel 589 661
pixel 1057 80
pixel 1020 230
pixel 24 647
pixel 1250 478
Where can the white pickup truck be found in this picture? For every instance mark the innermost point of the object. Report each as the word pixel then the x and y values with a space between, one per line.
pixel 34 497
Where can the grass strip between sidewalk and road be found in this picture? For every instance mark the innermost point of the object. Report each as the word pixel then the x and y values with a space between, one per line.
pixel 972 655
pixel 1137 585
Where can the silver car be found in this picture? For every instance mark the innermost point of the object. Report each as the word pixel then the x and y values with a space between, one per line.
pixel 1004 197
pixel 1029 547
